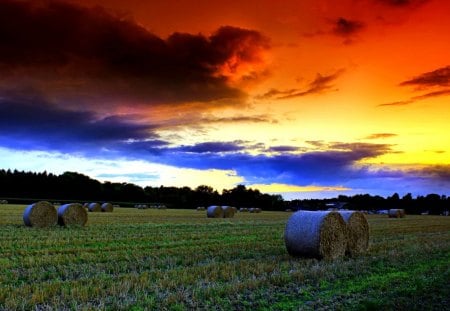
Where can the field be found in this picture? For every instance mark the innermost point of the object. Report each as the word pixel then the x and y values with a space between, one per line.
pixel 178 259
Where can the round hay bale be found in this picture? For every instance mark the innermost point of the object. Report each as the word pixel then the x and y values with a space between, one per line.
pixel 94 207
pixel 251 210
pixel 357 232
pixel 316 234
pixel 41 214
pixel 228 211
pixel 200 208
pixel 86 205
pixel 258 210
pixel 243 210
pixel 396 213
pixel 72 214
pixel 214 211
pixel 107 207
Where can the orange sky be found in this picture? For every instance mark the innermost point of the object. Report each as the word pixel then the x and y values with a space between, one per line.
pixel 338 75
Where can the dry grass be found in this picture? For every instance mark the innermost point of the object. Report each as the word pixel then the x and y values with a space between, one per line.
pixel 357 232
pixel 228 211
pixel 40 214
pixel 316 234
pixel 72 214
pixel 107 207
pixel 214 211
pixel 94 207
pixel 396 213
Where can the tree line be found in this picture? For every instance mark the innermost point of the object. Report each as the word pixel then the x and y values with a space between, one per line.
pixel 20 187
pixel 23 187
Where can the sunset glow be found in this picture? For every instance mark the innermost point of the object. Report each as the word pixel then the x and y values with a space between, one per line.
pixel 301 98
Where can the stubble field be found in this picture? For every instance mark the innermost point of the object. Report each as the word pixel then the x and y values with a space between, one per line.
pixel 135 259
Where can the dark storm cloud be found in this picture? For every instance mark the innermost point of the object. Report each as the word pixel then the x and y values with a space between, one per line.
pixel 346 27
pixel 320 84
pixel 32 122
pixel 71 50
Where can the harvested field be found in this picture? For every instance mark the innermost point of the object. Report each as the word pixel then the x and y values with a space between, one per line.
pixel 179 259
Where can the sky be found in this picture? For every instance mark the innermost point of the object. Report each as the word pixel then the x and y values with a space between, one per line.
pixel 303 98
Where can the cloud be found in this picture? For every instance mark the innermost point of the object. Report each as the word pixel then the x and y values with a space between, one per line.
pixel 402 3
pixel 84 54
pixel 437 81
pixel 381 136
pixel 346 27
pixel 33 122
pixel 324 167
pixel 397 103
pixel 320 84
pixel 283 149
pixel 238 119
pixel 436 78
pixel 212 147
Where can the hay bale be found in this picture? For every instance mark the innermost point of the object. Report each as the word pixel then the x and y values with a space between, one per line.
pixel 72 214
pixel 357 232
pixel 258 210
pixel 200 208
pixel 316 234
pixel 396 213
pixel 40 214
pixel 251 210
pixel 86 205
pixel 243 210
pixel 94 207
pixel 228 211
pixel 107 207
pixel 214 211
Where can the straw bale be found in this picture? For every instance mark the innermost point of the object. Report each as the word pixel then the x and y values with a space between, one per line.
pixel 396 213
pixel 251 210
pixel 40 214
pixel 200 208
pixel 228 211
pixel 316 234
pixel 72 214
pixel 243 210
pixel 357 232
pixel 214 211
pixel 107 207
pixel 94 207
